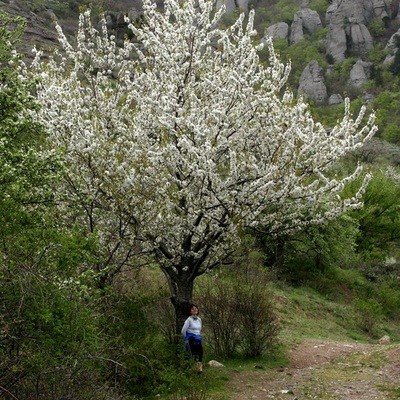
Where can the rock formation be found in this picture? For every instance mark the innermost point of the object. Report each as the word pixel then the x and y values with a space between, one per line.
pixel 360 38
pixel 312 85
pixel 304 21
pixel 359 73
pixel 278 31
pixel 336 43
pixel 335 99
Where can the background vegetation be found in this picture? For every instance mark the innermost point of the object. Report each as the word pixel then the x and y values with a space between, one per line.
pixel 62 335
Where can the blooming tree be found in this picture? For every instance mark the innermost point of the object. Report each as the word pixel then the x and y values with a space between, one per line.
pixel 179 139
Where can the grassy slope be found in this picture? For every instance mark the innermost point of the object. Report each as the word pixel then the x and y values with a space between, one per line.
pixel 305 314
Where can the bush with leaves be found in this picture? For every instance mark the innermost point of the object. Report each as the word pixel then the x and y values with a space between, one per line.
pixel 312 251
pixel 369 313
pixel 51 343
pixel 387 104
pixel 222 329
pixel 240 314
pixel 379 221
pixel 258 320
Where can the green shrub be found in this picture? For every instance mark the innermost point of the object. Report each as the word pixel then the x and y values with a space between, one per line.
pixel 259 323
pixel 240 314
pixel 320 6
pixel 369 312
pixel 51 344
pixel 391 133
pixel 388 295
pixel 376 27
pixel 311 252
pixel 217 300
pixel 377 54
pixel 379 219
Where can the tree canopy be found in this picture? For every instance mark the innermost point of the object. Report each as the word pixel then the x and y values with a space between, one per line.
pixel 180 138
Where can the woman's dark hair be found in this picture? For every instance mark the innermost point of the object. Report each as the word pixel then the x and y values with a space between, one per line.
pixel 190 308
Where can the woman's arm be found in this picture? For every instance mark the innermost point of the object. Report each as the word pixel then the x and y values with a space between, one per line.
pixel 185 328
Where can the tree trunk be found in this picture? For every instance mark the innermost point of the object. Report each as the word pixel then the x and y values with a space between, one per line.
pixel 181 298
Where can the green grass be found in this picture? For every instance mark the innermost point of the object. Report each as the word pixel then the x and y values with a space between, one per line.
pixel 305 314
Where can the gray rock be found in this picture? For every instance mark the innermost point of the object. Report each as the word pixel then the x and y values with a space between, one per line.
pixel 392 45
pixel 363 11
pixel 348 9
pixel 214 363
pixel 393 42
pixel 304 21
pixel 368 98
pixel 360 73
pixel 389 59
pixel 336 40
pixel 335 99
pixel 385 9
pixel 361 39
pixel 135 14
pixel 331 10
pixel 278 31
pixel 384 340
pixel 348 27
pixel 243 5
pixel 296 29
pixel 379 9
pixel 311 20
pixel 312 84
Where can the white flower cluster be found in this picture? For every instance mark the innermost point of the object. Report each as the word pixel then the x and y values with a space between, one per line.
pixel 183 139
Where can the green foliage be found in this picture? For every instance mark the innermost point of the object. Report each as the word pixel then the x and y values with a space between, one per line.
pixel 328 115
pixel 391 133
pixel 379 219
pixel 307 254
pixel 338 77
pixel 51 340
pixel 135 343
pixel 343 284
pixel 377 55
pixel 270 12
pixel 320 6
pixel 302 53
pixel 369 312
pixel 376 27
pixel 388 295
pixel 387 106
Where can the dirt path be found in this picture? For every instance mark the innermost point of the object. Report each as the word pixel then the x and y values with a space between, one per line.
pixel 326 370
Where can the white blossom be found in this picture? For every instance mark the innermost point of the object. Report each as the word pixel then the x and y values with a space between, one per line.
pixel 184 138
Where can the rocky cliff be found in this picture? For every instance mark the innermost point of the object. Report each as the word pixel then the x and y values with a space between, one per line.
pixel 348 24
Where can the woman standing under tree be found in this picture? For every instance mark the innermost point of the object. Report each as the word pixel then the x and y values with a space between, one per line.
pixel 191 332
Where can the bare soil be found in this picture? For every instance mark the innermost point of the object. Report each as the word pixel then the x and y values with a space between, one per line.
pixel 326 370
